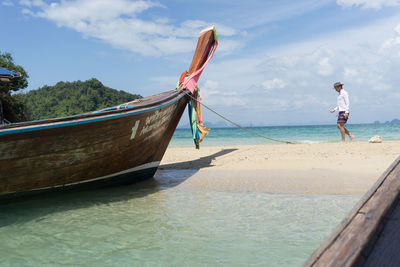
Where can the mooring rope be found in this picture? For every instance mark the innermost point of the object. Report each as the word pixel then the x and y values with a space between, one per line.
pixel 236 124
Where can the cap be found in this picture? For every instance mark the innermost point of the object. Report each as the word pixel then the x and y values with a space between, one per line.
pixel 337 84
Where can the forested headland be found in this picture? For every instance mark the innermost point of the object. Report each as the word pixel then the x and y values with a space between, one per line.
pixel 71 98
pixel 59 100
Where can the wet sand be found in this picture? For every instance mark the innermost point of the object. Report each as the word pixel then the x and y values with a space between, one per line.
pixel 326 168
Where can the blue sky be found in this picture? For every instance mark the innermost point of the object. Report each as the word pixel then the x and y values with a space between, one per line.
pixel 275 65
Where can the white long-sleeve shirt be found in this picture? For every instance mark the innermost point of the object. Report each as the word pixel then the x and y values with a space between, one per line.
pixel 343 103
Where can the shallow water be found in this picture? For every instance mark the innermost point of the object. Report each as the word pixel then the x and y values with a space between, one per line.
pixel 158 223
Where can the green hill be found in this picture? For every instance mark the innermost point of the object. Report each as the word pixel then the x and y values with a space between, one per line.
pixel 71 98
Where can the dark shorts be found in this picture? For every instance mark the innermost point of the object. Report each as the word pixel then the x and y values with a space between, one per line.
pixel 341 118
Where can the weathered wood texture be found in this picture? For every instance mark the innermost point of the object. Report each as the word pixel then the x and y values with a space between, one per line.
pixel 65 155
pixel 385 251
pixel 369 235
pixel 204 45
pixel 148 102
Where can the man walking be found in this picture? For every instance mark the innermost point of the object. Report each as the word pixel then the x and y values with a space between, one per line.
pixel 343 106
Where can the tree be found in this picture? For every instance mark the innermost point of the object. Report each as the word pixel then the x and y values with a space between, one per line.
pixel 71 98
pixel 12 106
pixel 61 99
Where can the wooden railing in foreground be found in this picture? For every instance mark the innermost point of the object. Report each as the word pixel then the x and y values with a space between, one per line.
pixel 370 234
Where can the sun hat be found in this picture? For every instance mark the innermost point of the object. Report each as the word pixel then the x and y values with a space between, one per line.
pixel 337 84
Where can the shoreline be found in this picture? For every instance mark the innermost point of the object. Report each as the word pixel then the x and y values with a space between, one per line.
pixel 322 168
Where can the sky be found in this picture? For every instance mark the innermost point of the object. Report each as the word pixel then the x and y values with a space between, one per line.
pixel 276 62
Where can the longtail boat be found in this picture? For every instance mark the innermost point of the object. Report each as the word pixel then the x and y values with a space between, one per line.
pixel 113 146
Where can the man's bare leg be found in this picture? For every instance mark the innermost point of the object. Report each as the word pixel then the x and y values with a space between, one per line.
pixel 342 131
pixel 351 137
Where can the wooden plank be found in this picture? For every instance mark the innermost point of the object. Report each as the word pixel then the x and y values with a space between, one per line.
pixel 204 45
pixel 346 243
pixel 36 145
pixel 385 251
pixel 355 237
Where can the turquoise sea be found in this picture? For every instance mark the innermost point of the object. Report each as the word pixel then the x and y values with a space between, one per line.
pixel 299 134
pixel 159 223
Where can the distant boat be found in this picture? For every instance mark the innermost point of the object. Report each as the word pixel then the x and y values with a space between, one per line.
pixel 113 146
pixel 6 75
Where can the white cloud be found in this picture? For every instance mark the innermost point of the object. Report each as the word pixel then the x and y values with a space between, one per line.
pixel 248 14
pixel 241 86
pixel 30 3
pixel 306 101
pixel 168 82
pixel 7 3
pixel 391 47
pixel 349 72
pixel 374 4
pixel 226 46
pixel 273 84
pixel 210 85
pixel 395 95
pixel 325 67
pixel 307 71
pixel 117 23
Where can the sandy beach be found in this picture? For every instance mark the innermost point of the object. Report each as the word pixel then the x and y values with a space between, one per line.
pixel 325 168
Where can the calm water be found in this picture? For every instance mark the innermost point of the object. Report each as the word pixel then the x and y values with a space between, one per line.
pixel 298 134
pixel 158 223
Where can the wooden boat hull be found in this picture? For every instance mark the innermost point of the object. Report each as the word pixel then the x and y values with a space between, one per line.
pixel 118 145
pixel 115 147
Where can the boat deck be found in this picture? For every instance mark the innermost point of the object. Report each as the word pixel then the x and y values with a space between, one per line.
pixel 370 234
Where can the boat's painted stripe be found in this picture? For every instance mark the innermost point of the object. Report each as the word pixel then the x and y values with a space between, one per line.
pixel 150 165
pixel 84 121
pixel 145 166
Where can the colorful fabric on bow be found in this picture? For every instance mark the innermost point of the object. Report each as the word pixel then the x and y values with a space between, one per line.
pixel 199 131
pixel 189 82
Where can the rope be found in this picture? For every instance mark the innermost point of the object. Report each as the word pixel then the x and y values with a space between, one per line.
pixel 236 124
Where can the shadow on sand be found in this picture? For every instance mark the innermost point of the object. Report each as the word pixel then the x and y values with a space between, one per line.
pixel 197 164
pixel 37 207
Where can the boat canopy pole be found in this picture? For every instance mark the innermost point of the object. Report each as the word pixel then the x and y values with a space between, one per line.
pixel 1 112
